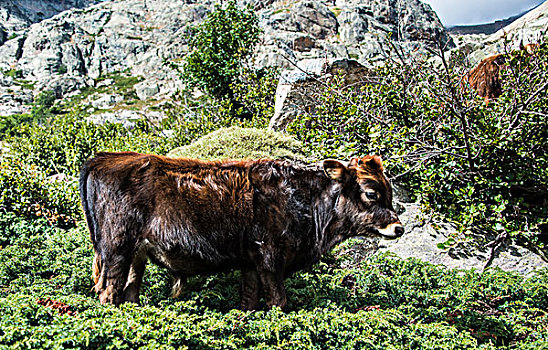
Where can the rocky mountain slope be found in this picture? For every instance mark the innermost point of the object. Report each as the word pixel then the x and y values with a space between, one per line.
pixel 527 29
pixel 18 15
pixel 73 49
pixel 488 28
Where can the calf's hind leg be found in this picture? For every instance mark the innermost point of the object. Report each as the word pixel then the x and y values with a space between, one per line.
pixel 135 276
pixel 114 272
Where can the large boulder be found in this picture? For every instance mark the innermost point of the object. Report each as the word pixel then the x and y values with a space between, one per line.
pixel 297 89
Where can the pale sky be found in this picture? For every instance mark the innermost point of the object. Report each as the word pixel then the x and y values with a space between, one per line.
pixel 455 12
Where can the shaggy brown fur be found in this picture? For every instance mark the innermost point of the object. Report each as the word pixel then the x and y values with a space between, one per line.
pixel 485 77
pixel 267 218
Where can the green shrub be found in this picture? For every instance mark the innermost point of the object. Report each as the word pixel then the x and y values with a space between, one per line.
pixel 10 123
pixel 29 192
pixel 13 73
pixel 68 140
pixel 43 106
pixel 218 47
pixel 193 119
pixel 62 69
pixel 43 259
pixel 483 166
pixel 256 92
pixel 241 143
pixel 384 303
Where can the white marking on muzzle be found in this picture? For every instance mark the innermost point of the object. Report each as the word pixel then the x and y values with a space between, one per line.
pixel 393 230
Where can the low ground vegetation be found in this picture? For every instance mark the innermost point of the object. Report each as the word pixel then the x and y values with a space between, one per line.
pixel 384 302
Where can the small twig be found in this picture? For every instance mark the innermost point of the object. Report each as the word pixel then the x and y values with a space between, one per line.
pixel 495 245
pixel 534 113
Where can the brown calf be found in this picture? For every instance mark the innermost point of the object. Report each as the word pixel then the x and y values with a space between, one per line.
pixel 485 77
pixel 268 218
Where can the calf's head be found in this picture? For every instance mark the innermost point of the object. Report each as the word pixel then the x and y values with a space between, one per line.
pixel 365 203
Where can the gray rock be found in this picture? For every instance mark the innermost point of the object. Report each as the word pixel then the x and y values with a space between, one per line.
pixel 18 15
pixel 146 89
pixel 107 101
pixel 3 35
pixel 125 117
pixel 297 89
pixel 62 86
pixel 10 52
pixel 347 29
pixel 310 17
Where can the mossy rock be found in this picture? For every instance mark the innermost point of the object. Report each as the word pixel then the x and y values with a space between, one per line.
pixel 242 143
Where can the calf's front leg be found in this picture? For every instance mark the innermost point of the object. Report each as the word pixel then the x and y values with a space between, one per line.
pixel 274 290
pixel 250 289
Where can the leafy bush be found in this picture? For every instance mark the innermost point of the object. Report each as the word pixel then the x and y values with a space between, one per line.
pixel 29 192
pixel 219 47
pixel 241 143
pixel 256 91
pixel 40 258
pixel 43 105
pixel 484 166
pixel 68 140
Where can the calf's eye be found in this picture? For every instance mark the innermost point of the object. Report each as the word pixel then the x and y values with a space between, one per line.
pixel 370 195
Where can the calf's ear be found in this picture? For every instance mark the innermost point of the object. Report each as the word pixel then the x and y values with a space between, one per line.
pixel 374 162
pixel 335 170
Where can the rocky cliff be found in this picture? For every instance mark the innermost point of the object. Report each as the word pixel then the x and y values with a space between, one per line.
pixel 144 38
pixel 18 15
pixel 88 39
pixel 527 29
pixel 345 29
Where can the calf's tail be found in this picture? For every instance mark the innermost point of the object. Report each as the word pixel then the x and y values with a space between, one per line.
pixel 91 220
